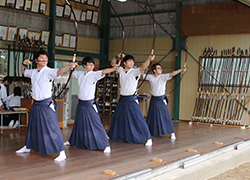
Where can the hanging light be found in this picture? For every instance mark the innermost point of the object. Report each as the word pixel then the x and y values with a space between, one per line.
pixel 122 0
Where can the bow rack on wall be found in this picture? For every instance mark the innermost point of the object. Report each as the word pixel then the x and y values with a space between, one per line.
pixel 222 95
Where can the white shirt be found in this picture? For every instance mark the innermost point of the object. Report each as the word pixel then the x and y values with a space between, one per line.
pixel 3 92
pixel 14 101
pixel 41 82
pixel 158 84
pixel 8 99
pixel 87 83
pixel 129 81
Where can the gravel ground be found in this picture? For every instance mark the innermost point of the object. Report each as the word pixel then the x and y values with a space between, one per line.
pixel 240 173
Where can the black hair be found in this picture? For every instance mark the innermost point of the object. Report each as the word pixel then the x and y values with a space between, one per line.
pixel 8 79
pixel 127 57
pixel 154 66
pixel 41 52
pixel 17 91
pixel 87 59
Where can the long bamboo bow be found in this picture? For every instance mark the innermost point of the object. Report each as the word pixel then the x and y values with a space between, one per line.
pixel 153 47
pixel 122 47
pixel 74 57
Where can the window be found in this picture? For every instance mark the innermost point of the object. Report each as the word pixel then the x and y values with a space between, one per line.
pixel 59 64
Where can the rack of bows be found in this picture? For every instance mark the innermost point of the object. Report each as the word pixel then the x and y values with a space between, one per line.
pixel 24 48
pixel 222 95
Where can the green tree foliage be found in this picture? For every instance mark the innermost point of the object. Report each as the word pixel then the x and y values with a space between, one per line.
pixel 3 61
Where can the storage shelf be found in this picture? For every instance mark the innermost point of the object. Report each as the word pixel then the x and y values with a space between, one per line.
pixel 108 101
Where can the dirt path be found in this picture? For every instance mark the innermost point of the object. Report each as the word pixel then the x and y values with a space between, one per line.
pixel 240 173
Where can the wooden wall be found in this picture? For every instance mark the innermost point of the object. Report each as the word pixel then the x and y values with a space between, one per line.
pixel 214 19
pixel 84 44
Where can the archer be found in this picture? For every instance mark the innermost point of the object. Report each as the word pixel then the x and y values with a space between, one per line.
pixel 43 131
pixel 128 123
pixel 158 119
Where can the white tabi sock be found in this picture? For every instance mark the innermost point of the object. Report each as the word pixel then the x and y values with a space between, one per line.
pixel 107 137
pixel 173 136
pixel 149 142
pixel 61 157
pixel 16 124
pixel 11 123
pixel 66 143
pixel 107 150
pixel 24 149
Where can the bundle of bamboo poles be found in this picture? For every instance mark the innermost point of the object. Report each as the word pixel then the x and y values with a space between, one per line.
pixel 222 96
pixel 24 48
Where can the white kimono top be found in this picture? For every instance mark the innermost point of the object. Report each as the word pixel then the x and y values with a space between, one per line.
pixel 158 84
pixel 41 82
pixel 129 81
pixel 87 83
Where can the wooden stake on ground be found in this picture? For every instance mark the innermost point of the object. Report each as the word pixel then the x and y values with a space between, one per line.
pixel 157 159
pixel 109 172
pixel 218 143
pixel 192 150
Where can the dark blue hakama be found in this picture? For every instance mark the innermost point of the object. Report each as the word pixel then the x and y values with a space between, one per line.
pixel 88 131
pixel 159 120
pixel 43 132
pixel 128 123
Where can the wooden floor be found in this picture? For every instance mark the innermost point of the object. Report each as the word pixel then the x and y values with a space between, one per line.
pixel 124 159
